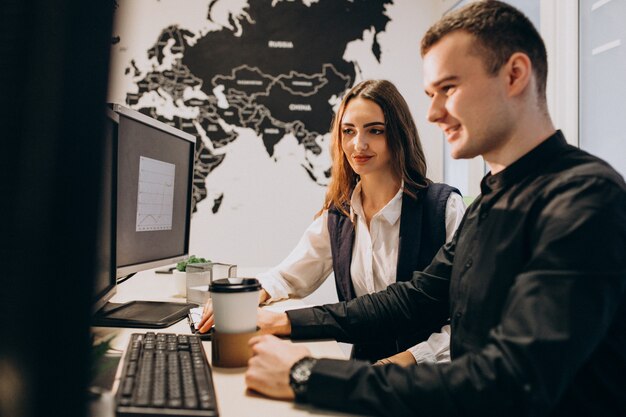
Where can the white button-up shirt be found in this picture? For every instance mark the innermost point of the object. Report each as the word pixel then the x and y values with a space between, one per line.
pixel 375 250
pixel 374 260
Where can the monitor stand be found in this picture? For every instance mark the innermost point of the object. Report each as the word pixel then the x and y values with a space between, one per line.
pixel 141 314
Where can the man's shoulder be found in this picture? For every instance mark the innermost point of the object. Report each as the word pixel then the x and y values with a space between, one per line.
pixel 577 166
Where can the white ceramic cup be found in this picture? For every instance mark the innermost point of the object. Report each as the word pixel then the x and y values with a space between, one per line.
pixel 235 303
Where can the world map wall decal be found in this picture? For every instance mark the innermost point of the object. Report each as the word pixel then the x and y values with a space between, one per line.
pixel 277 69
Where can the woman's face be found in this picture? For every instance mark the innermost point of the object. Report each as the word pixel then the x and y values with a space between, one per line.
pixel 364 139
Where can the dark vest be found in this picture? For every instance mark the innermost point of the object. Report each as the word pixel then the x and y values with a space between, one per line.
pixel 422 233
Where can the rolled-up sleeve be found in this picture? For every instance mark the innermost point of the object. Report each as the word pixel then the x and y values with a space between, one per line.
pixel 455 209
pixel 305 268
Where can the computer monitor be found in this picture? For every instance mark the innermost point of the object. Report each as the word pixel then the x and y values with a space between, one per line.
pixel 154 187
pixel 104 277
pixel 150 205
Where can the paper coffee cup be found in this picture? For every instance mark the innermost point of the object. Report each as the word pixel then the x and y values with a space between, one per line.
pixel 235 304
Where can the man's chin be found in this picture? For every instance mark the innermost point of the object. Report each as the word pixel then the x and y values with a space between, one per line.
pixel 458 153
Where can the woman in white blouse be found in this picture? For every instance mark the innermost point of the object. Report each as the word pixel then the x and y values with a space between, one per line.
pixel 381 220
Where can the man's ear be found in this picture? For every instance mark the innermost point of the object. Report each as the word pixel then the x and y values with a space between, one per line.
pixel 519 71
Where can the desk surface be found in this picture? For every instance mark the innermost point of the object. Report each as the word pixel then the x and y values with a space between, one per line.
pixel 234 400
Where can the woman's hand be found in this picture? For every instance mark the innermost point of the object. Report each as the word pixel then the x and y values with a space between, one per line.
pixel 208 319
pixel 263 296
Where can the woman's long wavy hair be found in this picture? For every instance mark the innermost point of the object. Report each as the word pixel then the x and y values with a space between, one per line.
pixel 407 156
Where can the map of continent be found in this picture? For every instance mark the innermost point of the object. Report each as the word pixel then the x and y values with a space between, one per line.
pixel 278 70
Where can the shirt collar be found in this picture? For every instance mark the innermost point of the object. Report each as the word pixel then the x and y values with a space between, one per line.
pixel 391 212
pixel 525 165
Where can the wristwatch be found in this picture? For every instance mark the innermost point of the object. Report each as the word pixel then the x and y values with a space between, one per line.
pixel 299 377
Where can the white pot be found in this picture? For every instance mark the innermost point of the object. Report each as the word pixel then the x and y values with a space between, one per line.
pixel 180 283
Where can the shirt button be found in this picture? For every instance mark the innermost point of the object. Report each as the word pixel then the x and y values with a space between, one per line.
pixel 483 215
pixel 468 263
pixel 458 314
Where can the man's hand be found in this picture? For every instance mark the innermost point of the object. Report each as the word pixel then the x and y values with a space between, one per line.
pixel 208 320
pixel 268 369
pixel 405 358
pixel 273 323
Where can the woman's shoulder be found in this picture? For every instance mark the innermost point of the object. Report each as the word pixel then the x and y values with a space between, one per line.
pixel 435 197
pixel 442 189
pixel 333 210
pixel 436 191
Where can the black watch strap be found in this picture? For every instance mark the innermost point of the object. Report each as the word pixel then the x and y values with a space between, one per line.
pixel 299 377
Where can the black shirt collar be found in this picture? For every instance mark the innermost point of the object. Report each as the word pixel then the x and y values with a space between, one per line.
pixel 537 157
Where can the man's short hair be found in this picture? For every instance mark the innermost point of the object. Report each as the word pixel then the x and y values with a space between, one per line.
pixel 500 30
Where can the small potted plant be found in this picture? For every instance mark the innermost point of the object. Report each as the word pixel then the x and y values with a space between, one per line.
pixel 180 273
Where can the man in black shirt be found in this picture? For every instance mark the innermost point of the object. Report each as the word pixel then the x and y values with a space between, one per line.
pixel 533 281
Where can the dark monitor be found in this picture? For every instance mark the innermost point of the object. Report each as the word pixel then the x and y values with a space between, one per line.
pixel 154 188
pixel 53 72
pixel 150 168
pixel 104 277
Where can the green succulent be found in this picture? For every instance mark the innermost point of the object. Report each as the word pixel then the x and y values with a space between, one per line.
pixel 193 259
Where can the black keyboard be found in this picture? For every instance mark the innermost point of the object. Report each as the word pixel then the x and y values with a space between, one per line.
pixel 165 374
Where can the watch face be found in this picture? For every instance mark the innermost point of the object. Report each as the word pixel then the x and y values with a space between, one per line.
pixel 299 377
pixel 302 372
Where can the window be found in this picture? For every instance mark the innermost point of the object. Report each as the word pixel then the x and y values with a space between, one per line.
pixel 602 88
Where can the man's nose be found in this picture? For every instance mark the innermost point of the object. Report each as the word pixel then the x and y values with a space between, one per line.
pixel 436 110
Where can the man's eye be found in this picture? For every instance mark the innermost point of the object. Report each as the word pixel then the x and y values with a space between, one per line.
pixel 448 89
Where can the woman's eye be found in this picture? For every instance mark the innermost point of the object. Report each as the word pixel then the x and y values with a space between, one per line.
pixel 377 131
pixel 347 131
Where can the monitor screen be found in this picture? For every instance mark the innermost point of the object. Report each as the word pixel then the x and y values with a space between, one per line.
pixel 105 278
pixel 154 187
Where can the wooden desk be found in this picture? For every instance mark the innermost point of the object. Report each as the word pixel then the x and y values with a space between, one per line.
pixel 234 400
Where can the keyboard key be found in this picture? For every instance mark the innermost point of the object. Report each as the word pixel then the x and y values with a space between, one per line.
pixel 127 386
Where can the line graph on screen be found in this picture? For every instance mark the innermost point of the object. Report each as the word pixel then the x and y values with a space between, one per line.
pixel 155 196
